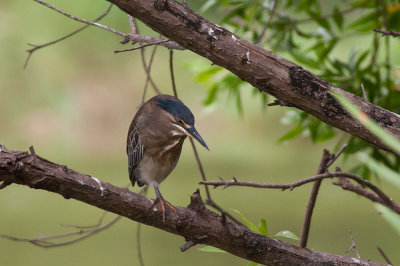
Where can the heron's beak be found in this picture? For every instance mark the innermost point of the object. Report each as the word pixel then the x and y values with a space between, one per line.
pixel 193 133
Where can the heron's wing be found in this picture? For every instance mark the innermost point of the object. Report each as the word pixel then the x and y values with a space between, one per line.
pixel 134 149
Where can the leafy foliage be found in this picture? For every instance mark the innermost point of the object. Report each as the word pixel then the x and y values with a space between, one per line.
pixel 316 35
pixel 381 170
pixel 261 228
pixel 392 218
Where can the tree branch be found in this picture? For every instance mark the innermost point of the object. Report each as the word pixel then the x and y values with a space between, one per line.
pixel 386 33
pixel 264 70
pixel 323 168
pixel 195 223
pixel 127 37
pixel 140 47
pixel 326 161
pixel 47 241
pixel 39 46
pixel 379 196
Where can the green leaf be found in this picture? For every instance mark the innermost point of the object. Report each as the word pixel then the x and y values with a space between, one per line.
pixel 364 23
pixel 287 234
pixel 381 170
pixel 252 263
pixel 239 105
pixel 262 227
pixel 361 59
pixel 207 5
pixel 249 224
pixel 239 11
pixel 324 52
pixel 361 170
pixel 355 145
pixel 211 249
pixel 211 95
pixel 338 18
pixel 325 132
pixel 378 131
pixel 392 218
pixel 207 74
pixel 316 15
pixel 297 130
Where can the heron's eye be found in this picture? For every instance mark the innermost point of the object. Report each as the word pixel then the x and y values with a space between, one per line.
pixel 180 122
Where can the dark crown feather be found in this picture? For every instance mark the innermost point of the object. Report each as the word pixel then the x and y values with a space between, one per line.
pixel 177 109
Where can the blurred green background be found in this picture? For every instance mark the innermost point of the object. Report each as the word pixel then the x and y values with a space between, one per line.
pixel 74 103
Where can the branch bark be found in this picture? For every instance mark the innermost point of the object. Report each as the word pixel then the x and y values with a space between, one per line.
pixel 261 68
pixel 195 223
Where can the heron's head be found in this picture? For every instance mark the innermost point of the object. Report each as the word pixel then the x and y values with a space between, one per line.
pixel 179 117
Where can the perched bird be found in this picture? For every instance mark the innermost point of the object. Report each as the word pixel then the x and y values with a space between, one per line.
pixel 155 139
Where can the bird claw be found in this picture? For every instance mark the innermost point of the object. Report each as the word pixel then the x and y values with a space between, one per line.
pixel 163 203
pixel 171 207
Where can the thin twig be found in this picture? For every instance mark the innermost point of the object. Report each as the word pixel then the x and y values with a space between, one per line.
pixel 135 30
pixel 138 244
pixel 345 184
pixel 386 33
pixel 141 46
pixel 384 199
pixel 384 256
pixel 201 169
pixel 353 246
pixel 132 24
pixel 142 191
pixel 323 167
pixel 149 78
pixel 80 19
pixel 171 71
pixel 336 156
pixel 132 37
pixel 45 243
pixel 147 70
pixel 290 186
pixel 259 39
pixel 101 219
pixel 364 93
pixel 326 161
pixel 39 46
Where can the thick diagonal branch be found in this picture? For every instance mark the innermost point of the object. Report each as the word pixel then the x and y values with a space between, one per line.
pixel 195 223
pixel 261 68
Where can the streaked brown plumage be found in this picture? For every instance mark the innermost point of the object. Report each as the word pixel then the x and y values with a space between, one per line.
pixel 155 140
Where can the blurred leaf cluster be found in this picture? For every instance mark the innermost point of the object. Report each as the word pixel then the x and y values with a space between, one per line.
pixel 385 173
pixel 311 33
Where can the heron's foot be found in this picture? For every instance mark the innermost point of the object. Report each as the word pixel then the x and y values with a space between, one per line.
pixel 163 203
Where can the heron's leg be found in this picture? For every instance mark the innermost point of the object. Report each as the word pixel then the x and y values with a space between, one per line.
pixel 163 202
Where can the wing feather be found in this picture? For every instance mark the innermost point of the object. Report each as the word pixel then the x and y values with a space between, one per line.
pixel 135 149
